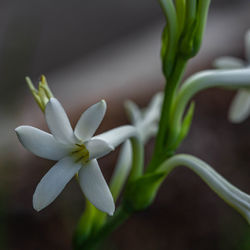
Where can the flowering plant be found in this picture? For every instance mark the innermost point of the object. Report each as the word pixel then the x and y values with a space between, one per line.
pixel 168 117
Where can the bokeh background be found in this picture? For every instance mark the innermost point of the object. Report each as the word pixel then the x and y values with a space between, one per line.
pixel 109 49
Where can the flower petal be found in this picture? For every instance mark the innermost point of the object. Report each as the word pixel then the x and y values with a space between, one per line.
pixel 116 136
pixel 133 112
pixel 90 120
pixel 95 187
pixel 58 122
pixel 52 184
pixel 41 143
pixel 228 62
pixel 122 169
pixel 98 148
pixel 154 110
pixel 240 107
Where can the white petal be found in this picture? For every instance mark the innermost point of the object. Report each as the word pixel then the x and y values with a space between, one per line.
pixel 118 135
pixel 153 111
pixel 95 187
pixel 58 122
pixel 98 148
pixel 52 184
pixel 247 45
pixel 90 120
pixel 41 143
pixel 146 132
pixel 228 62
pixel 122 169
pixel 240 107
pixel 133 112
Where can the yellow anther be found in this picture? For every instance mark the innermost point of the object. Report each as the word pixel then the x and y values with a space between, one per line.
pixel 81 154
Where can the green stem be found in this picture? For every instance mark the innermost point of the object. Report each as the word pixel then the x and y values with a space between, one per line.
pixel 160 151
pixel 137 159
pixel 120 216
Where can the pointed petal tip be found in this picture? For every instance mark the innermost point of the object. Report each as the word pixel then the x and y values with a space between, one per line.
pixel 19 128
pixel 111 213
pixel 103 103
pixel 36 209
pixel 52 101
pixel 36 204
pixel 109 210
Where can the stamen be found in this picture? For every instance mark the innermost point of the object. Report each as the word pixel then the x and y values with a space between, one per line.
pixel 81 154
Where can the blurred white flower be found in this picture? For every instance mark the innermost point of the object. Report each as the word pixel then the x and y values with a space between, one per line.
pixel 146 120
pixel 240 107
pixel 76 152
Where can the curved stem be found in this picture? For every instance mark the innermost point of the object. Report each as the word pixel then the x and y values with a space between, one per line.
pixel 238 78
pixel 229 193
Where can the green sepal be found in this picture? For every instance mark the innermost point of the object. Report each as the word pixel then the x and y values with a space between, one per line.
pixel 168 60
pixel 196 18
pixel 180 6
pixel 140 193
pixel 203 6
pixel 187 43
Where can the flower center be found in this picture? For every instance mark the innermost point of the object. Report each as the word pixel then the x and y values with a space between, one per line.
pixel 81 154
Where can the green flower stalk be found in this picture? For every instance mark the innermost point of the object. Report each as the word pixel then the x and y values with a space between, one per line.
pixel 181 41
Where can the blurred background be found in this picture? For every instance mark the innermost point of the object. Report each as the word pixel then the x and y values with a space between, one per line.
pixel 109 49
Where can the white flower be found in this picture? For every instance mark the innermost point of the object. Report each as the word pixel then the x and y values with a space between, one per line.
pixel 76 152
pixel 146 120
pixel 240 107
